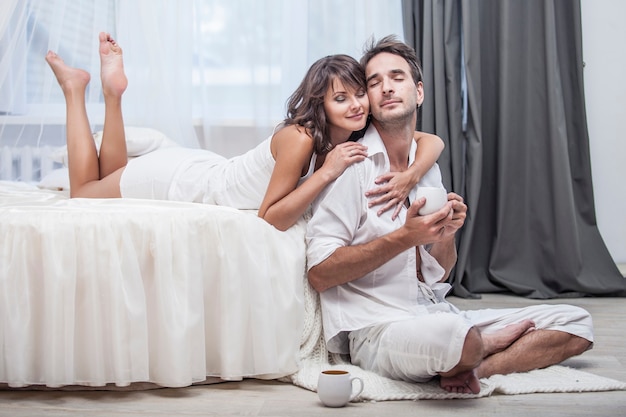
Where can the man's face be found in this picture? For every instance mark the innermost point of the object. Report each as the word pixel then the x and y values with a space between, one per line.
pixel 393 95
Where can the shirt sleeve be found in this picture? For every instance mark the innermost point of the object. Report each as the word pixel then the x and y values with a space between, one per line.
pixel 337 216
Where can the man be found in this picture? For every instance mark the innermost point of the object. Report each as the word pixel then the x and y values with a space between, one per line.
pixel 381 281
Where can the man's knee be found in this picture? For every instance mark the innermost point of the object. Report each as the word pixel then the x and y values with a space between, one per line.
pixel 578 345
pixel 473 350
pixel 471 355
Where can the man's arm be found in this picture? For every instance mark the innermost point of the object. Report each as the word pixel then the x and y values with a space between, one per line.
pixel 444 251
pixel 352 262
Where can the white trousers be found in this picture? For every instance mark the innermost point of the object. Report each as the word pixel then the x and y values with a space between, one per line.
pixel 417 349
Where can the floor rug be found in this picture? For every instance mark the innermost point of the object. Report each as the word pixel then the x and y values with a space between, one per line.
pixel 314 358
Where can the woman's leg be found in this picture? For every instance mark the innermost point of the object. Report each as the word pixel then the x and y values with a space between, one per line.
pixel 81 150
pixel 83 163
pixel 113 153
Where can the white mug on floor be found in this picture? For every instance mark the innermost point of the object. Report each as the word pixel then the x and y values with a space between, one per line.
pixel 335 387
pixel 436 198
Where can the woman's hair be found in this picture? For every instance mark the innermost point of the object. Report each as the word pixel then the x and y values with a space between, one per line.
pixel 305 107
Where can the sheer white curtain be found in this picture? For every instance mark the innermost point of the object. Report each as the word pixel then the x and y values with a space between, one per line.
pixel 207 73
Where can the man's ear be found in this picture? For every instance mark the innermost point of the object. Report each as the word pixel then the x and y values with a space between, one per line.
pixel 419 91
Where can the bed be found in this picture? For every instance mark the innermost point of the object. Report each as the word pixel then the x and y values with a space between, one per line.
pixel 114 292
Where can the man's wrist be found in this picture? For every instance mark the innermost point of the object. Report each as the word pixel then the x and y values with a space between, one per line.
pixel 403 236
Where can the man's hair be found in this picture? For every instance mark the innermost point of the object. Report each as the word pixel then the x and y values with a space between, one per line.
pixel 392 45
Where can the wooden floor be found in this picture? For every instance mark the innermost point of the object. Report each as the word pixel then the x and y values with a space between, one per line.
pixel 270 398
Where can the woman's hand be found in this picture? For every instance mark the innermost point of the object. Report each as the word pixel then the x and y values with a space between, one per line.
pixel 392 191
pixel 342 156
pixel 394 187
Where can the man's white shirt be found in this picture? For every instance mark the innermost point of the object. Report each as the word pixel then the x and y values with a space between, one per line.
pixel 341 218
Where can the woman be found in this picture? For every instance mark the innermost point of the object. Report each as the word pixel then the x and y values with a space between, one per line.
pixel 280 177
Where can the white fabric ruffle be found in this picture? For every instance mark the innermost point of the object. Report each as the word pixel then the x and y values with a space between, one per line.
pixel 97 291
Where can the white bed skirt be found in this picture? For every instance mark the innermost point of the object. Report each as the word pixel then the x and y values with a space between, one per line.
pixel 116 291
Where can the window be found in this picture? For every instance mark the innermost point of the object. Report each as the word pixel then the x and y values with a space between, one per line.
pixel 192 65
pixel 35 27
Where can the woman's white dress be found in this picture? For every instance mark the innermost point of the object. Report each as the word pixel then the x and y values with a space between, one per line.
pixel 202 176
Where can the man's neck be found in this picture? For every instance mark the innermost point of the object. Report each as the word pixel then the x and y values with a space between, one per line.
pixel 397 140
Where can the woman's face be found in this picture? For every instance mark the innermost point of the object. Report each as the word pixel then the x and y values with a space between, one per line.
pixel 346 110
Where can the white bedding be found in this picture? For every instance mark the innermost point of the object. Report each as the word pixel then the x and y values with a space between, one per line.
pixel 116 291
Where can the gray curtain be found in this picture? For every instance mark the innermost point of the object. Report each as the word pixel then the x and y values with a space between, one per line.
pixel 504 89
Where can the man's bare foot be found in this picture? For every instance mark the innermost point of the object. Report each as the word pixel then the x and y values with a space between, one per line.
pixel 114 80
pixel 502 339
pixel 461 383
pixel 70 79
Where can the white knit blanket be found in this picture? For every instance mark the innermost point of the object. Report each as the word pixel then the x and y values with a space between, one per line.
pixel 314 358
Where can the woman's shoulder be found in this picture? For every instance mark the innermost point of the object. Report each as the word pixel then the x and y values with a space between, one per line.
pixel 293 130
pixel 292 136
pixel 292 143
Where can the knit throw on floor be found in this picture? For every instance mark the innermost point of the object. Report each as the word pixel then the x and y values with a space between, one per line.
pixel 315 358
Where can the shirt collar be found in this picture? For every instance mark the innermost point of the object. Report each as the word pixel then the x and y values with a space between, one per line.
pixel 375 145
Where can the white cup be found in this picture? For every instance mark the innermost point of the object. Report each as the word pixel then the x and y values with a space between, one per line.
pixel 436 198
pixel 335 387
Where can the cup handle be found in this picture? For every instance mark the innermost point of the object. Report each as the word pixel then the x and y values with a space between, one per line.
pixel 360 390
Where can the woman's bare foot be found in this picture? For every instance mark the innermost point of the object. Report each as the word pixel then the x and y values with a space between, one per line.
pixel 502 339
pixel 70 79
pixel 462 383
pixel 114 80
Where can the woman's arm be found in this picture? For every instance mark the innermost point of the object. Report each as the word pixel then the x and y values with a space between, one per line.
pixel 395 186
pixel 284 201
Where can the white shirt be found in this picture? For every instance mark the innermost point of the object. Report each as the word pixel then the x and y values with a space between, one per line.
pixel 341 218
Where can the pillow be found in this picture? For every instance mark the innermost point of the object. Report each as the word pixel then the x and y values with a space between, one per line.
pixel 57 180
pixel 139 141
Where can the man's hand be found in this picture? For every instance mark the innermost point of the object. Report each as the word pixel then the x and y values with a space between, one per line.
pixel 457 215
pixel 451 219
pixel 423 230
pixel 440 225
